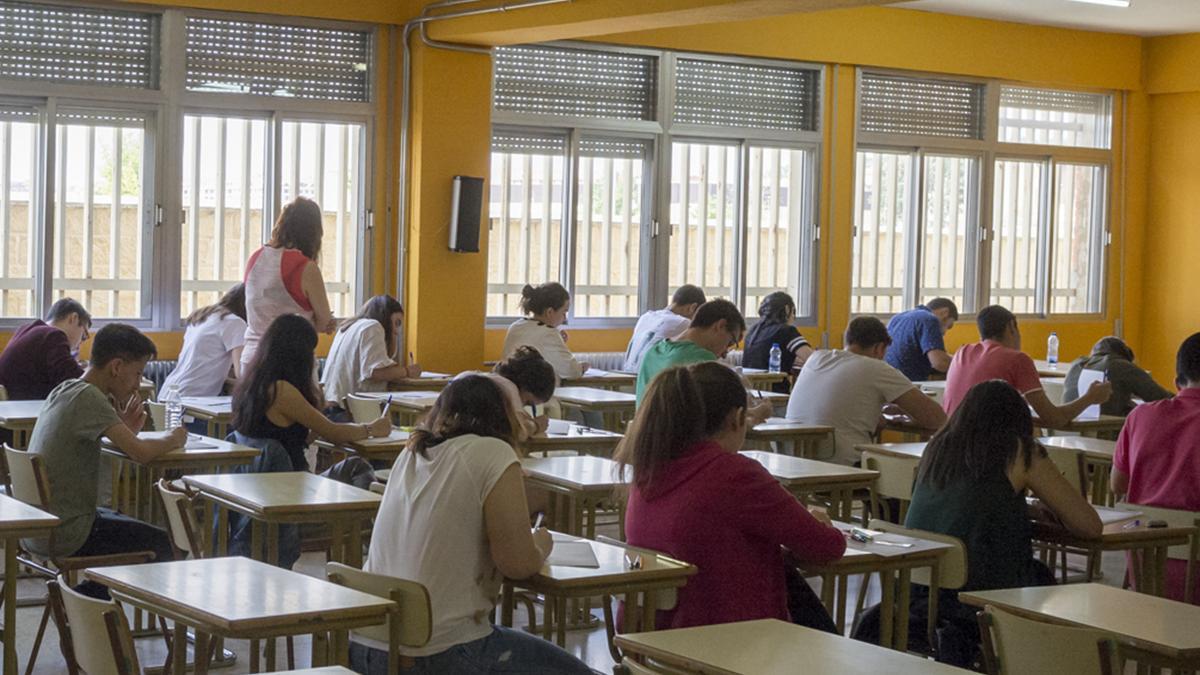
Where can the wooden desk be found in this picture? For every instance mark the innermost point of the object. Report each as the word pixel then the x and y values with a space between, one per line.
pixel 806 437
pixel 616 406
pixel 292 497
pixel 901 450
pixel 239 598
pixel 384 448
pixel 426 382
pixel 1097 457
pixel 17 520
pixel 216 410
pixel 1044 368
pixel 1156 624
pixel 406 406
pixel 803 477
pixel 577 486
pixel 1088 427
pixel 771 647
pixel 328 670
pixel 602 379
pixel 19 418
pixel 584 440
pixel 761 379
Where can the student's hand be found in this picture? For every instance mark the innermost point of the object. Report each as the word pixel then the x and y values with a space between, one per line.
pixel 821 516
pixel 543 541
pixel 414 370
pixel 133 414
pixel 584 366
pixel 380 427
pixel 541 424
pixel 1099 392
pixel 759 412
pixel 178 437
pixel 563 333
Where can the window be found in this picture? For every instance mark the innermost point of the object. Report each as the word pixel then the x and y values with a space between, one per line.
pixel 882 222
pixel 704 216
pixel 1048 117
pixel 948 227
pixel 608 227
pixel 1079 239
pixel 19 222
pixel 1018 223
pixel 779 213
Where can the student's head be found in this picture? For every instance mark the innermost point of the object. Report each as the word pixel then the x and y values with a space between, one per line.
pixel 71 318
pixel 670 420
pixel 985 435
pixel 233 302
pixel 533 375
pixel 1187 363
pixel 946 312
pixel 717 326
pixel 120 353
pixel 548 303
pixel 998 324
pixel 285 352
pixel 388 312
pixel 724 398
pixel 867 336
pixel 1112 346
pixel 471 404
pixel 299 226
pixel 777 307
pixel 687 299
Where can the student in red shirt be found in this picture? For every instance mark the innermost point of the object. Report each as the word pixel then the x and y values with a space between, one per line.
pixel 695 498
pixel 41 355
pixel 998 356
pixel 1157 462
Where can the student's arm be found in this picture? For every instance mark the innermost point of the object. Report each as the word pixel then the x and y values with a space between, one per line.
pixel 939 359
pixel 555 350
pixel 1119 474
pixel 1142 385
pixel 517 551
pixel 802 353
pixel 1118 482
pixel 291 404
pixel 313 285
pixel 926 413
pixel 236 353
pixel 1071 508
pixel 764 508
pixel 144 450
pixel 1061 415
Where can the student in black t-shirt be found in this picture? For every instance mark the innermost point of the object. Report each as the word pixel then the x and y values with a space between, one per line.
pixel 775 327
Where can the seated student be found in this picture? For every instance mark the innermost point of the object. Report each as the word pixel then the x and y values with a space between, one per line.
pixel 695 498
pixel 971 484
pixel 662 324
pixel 918 349
pixel 277 407
pixel 774 327
pixel 847 389
pixel 546 307
pixel 535 381
pixel 1157 462
pixel 998 356
pixel 363 355
pixel 212 344
pixel 104 402
pixel 455 518
pixel 43 354
pixel 1112 356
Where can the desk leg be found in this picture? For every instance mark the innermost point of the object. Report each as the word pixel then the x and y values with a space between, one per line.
pixel 887 607
pixel 506 606
pixel 256 552
pixel 901 639
pixel 272 543
pixel 201 653
pixel 179 649
pixel 354 552
pixel 337 541
pixel 560 608
pixel 320 649
pixel 10 606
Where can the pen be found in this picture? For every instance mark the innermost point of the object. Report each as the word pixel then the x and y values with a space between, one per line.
pixel 1132 524
pixel 538 523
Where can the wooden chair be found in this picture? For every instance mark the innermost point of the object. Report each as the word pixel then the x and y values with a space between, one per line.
pixel 1189 552
pixel 896 478
pixel 1115 656
pixel 1014 645
pixel 411 627
pixel 93 634
pixel 1071 465
pixel 363 409
pixel 31 485
pixel 158 415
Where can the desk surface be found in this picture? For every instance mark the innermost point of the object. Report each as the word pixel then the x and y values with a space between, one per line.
pixel 19 412
pixel 1101 423
pixel 771 647
pixel 1046 370
pixel 18 518
pixel 582 473
pixel 903 450
pixel 612 572
pixel 590 396
pixel 213 406
pixel 237 594
pixel 778 427
pixel 1093 448
pixel 796 471
pixel 290 493
pixel 199 451
pixel 576 436
pixel 601 378
pixel 1149 620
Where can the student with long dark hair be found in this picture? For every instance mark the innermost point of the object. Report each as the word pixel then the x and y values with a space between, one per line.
pixel 774 327
pixel 695 498
pixel 212 346
pixel 455 518
pixel 971 484
pixel 545 308
pixel 363 355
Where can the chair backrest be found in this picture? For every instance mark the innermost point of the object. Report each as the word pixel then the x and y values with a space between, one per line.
pixel 158 414
pixel 363 409
pixel 3 393
pixel 93 633
pixel 180 506
pixel 896 474
pixel 952 568
pixel 415 620
pixel 1014 645
pixel 27 477
pixel 1069 463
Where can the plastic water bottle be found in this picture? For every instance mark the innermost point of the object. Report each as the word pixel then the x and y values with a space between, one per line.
pixel 1052 349
pixel 174 405
pixel 776 359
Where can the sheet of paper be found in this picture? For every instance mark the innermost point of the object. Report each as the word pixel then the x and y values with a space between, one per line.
pixel 1110 516
pixel 397 436
pixel 593 372
pixel 559 427
pixel 199 444
pixel 434 376
pixel 573 554
pixel 1086 378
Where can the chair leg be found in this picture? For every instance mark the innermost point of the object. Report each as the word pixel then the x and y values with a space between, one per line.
pixel 169 637
pixel 37 641
pixel 291 653
pixel 862 594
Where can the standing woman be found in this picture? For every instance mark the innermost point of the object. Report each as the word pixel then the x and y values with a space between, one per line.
pixel 545 308
pixel 212 345
pixel 363 356
pixel 282 277
pixel 774 327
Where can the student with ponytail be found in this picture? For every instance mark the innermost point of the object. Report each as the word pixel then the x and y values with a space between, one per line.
pixel 545 308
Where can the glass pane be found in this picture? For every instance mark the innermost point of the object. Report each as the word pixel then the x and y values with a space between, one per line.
pixel 882 221
pixel 1017 229
pixel 1054 117
pixel 949 220
pixel 1076 281
pixel 323 161
pixel 224 167
pixel 99 225
pixel 704 195
pixel 19 228
pixel 608 236
pixel 775 252
pixel 525 214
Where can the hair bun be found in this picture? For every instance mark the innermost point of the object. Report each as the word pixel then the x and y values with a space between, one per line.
pixel 527 291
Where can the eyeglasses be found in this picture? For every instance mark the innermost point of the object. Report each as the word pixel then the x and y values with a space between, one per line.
pixel 734 339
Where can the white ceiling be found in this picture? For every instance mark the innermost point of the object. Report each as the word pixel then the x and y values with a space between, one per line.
pixel 1142 17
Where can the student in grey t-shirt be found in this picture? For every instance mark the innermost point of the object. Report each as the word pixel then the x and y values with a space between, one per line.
pixel 67 436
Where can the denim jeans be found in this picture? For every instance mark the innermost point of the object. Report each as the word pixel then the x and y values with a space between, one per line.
pixel 504 651
pixel 113 533
pixel 272 458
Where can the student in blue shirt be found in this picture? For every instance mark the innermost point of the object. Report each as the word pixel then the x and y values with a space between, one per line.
pixel 917 348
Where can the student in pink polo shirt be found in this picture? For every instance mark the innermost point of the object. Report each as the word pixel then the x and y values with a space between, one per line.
pixel 1157 462
pixel 998 356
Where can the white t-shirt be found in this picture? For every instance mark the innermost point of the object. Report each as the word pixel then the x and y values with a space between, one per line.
pixel 357 351
pixel 653 327
pixel 207 355
pixel 546 340
pixel 846 391
pixel 430 529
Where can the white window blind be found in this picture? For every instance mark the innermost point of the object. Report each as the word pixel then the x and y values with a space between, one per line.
pixel 614 148
pixel 249 57
pixel 76 45
pixel 528 143
pixel 729 94
pixel 1055 117
pixel 893 104
pixel 573 82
